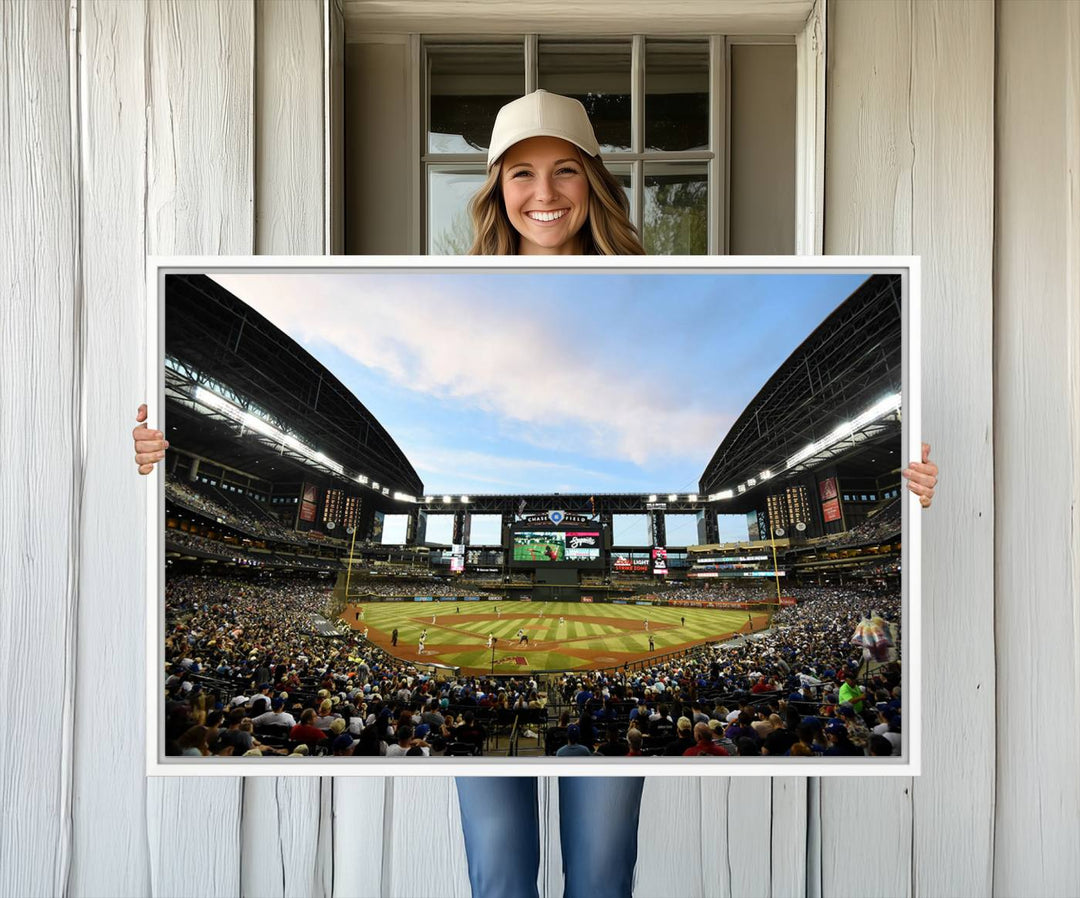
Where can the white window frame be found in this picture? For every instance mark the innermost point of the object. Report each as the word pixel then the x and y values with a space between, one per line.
pixel 809 127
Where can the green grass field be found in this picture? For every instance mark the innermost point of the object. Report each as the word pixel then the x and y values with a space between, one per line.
pixel 593 635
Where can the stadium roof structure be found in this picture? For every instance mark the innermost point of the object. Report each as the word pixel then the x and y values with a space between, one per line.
pixel 215 341
pixel 849 363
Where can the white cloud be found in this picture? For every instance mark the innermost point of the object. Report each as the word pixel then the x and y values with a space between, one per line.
pixel 499 355
pixel 464 467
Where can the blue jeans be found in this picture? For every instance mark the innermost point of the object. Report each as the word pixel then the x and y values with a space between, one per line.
pixel 598 823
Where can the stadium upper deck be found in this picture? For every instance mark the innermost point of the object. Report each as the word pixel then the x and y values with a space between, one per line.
pixel 217 342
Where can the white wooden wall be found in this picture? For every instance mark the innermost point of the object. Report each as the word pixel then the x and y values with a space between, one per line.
pixel 191 126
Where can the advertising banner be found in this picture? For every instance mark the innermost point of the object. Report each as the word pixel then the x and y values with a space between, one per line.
pixel 827 488
pixel 830 510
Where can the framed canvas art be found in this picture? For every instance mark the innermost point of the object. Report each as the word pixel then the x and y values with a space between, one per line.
pixel 618 516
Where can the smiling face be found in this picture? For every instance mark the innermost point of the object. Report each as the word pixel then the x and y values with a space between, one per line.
pixel 546 195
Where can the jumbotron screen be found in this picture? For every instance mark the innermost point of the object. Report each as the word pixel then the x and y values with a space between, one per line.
pixel 556 547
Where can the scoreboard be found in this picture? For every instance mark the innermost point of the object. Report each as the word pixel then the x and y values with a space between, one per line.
pixel 575 546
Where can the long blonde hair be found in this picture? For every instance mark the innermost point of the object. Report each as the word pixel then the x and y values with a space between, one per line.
pixel 607 232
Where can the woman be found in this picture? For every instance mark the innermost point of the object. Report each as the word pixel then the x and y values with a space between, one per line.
pixel 547 193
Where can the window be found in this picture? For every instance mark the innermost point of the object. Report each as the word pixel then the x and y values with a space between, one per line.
pixel 660 108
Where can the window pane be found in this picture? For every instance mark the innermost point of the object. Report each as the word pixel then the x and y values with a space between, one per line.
pixel 597 74
pixel 676 95
pixel 676 209
pixel 449 192
pixel 467 84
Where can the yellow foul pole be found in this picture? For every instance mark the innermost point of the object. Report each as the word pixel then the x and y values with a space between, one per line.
pixel 348 570
pixel 776 570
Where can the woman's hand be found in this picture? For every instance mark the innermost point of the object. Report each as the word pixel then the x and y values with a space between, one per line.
pixel 150 445
pixel 922 477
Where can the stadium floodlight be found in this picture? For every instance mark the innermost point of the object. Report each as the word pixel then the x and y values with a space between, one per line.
pixel 361 478
pixel 446 499
pixel 885 406
pixel 403 497
pixel 672 497
pixel 652 498
pixel 752 481
pixel 465 499
pixel 252 422
pixel 725 494
pixel 429 499
pixel 386 491
pixel 742 487
pixel 765 475
pixel 329 463
pixel 692 497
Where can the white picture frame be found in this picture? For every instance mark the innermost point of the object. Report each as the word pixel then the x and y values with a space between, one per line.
pixel 908 764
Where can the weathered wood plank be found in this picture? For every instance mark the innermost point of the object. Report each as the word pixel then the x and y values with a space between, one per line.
pixel 280 838
pixel 200 186
pixel 868 159
pixel 909 170
pixel 193 827
pixel 952 229
pixel 282 816
pixel 199 200
pixel 424 848
pixel 112 859
pixel 289 127
pixel 671 845
pixel 41 435
pixel 790 797
pixel 359 836
pixel 1037 445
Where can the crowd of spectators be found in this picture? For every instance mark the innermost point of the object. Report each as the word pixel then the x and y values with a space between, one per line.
pixel 721 591
pixel 409 587
pixel 218 548
pixel 402 571
pixel 883 525
pixel 221 508
pixel 802 680
pixel 182 539
pixel 246 672
pixel 225 509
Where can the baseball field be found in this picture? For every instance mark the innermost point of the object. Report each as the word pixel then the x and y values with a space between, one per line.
pixel 561 635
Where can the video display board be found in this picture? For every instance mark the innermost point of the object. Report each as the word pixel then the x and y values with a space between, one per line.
pixel 395 530
pixel 580 547
pixel 485 530
pixel 440 530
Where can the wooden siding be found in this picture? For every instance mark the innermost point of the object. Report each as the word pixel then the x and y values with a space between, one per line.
pixel 197 127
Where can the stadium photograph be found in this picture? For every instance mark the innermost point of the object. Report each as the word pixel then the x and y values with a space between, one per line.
pixel 510 514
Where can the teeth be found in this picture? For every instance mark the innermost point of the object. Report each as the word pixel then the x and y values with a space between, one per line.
pixel 547 216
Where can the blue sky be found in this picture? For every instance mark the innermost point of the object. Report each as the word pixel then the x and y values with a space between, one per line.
pixel 526 382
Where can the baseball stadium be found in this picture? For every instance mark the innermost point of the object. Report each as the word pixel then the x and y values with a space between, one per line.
pixel 320 600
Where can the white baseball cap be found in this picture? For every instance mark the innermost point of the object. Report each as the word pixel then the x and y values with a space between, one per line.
pixel 541 114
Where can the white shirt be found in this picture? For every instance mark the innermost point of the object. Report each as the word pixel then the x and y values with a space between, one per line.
pixel 396 751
